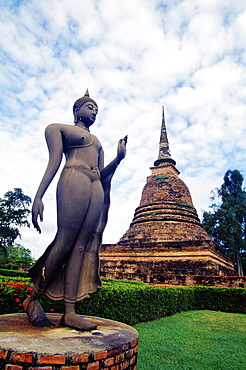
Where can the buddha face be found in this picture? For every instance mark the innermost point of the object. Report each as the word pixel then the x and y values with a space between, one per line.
pixel 87 113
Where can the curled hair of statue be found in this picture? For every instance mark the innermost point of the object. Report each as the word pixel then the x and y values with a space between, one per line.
pixel 79 102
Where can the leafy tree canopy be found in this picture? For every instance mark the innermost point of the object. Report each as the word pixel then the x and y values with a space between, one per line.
pixel 14 210
pixel 18 256
pixel 226 223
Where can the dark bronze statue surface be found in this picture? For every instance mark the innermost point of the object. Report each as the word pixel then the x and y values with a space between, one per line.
pixel 69 268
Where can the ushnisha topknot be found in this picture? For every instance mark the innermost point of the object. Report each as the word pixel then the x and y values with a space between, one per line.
pixel 79 102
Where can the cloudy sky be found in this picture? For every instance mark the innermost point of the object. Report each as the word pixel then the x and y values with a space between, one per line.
pixel 134 56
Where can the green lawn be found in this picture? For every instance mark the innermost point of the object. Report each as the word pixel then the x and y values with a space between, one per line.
pixel 193 340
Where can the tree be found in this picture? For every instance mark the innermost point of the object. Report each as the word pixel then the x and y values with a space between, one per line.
pixel 14 209
pixel 226 223
pixel 18 256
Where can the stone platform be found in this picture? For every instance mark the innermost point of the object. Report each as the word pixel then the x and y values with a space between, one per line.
pixel 112 346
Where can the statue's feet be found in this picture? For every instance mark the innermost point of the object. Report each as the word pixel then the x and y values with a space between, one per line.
pixel 36 313
pixel 77 322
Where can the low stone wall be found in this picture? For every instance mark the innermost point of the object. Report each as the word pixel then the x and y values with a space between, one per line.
pixel 112 346
pixel 181 280
pixel 218 281
pixel 157 262
pixel 187 265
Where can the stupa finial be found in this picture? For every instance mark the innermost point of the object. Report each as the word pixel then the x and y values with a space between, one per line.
pixel 164 152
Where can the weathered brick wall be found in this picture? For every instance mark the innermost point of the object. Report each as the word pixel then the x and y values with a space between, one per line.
pixel 165 214
pixel 188 265
pixel 153 262
pixel 177 280
pixel 164 231
pixel 163 188
pixel 123 357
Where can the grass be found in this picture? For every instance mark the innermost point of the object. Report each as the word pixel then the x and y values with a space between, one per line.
pixel 193 340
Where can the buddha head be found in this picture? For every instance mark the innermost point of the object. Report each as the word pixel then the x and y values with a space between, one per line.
pixel 81 101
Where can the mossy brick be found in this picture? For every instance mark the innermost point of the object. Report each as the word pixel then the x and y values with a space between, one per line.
pixel 110 361
pixel 100 355
pixel 124 365
pixel 13 367
pixel 22 357
pixel 134 343
pixel 125 347
pixel 120 358
pixel 93 366
pixel 133 360
pixel 114 351
pixel 84 357
pixel 3 354
pixel 55 359
pixel 129 353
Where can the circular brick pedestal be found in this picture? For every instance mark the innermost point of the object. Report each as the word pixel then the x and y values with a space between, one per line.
pixel 112 346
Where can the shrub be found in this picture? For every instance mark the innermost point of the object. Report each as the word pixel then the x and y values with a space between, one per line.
pixel 221 299
pixel 131 302
pixel 12 294
pixel 16 273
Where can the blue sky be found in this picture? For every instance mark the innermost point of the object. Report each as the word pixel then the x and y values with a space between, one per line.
pixel 134 56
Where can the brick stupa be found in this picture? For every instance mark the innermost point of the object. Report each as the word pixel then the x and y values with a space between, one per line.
pixel 165 242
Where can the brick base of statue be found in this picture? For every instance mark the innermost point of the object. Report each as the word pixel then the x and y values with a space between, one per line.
pixel 112 346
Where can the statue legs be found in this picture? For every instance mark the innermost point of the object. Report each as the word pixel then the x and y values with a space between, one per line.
pixel 76 258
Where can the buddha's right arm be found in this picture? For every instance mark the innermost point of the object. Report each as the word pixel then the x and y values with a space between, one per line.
pixel 54 142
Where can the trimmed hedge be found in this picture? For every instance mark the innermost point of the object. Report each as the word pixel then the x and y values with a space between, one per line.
pixel 16 273
pixel 131 302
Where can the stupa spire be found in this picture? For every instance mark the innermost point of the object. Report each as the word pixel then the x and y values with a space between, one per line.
pixel 164 152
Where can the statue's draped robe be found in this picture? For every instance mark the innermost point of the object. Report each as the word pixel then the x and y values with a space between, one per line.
pixel 89 279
